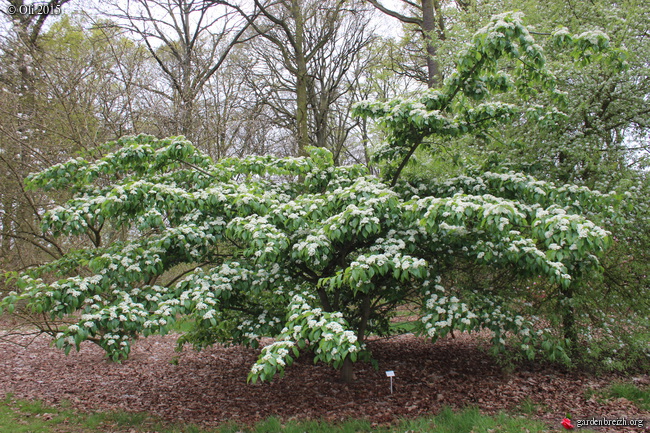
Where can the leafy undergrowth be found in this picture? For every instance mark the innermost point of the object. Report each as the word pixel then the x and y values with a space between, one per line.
pixel 453 384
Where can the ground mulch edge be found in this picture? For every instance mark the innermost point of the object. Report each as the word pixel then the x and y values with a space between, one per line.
pixel 209 387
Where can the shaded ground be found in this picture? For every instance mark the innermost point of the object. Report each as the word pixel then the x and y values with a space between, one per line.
pixel 210 387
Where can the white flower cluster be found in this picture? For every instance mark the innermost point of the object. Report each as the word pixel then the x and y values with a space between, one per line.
pixel 353 219
pixel 307 326
pixel 443 313
pixel 313 250
pixel 273 355
pixel 396 261
pixel 568 237
pixel 456 208
pixel 594 37
pixel 109 339
pixel 131 261
pixel 503 323
pixel 252 330
pixel 332 325
pixel 264 238
pixel 525 187
pixel 560 222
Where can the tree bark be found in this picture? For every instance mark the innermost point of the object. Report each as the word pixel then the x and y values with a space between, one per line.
pixel 347 371
pixel 428 30
pixel 302 126
pixel 431 23
pixel 569 322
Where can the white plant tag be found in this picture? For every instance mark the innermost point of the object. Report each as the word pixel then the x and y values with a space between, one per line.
pixel 391 374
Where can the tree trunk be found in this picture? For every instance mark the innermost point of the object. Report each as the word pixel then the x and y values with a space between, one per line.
pixel 347 371
pixel 187 118
pixel 302 127
pixel 429 29
pixel 569 322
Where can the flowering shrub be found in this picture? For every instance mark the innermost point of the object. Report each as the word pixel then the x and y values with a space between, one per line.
pixel 314 255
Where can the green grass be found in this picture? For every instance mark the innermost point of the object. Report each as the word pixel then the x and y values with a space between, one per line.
pixel 528 407
pixel 25 417
pixel 403 327
pixel 471 421
pixel 639 396
pixel 182 325
pixel 21 416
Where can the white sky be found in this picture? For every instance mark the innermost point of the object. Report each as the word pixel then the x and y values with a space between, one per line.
pixel 385 25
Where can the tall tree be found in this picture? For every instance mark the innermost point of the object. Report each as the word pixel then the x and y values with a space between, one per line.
pixel 19 80
pixel 334 75
pixel 427 16
pixel 88 88
pixel 189 40
pixel 309 49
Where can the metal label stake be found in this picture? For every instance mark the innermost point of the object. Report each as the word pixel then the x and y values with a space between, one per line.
pixel 391 374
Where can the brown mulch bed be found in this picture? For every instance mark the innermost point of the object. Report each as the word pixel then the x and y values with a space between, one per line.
pixel 210 387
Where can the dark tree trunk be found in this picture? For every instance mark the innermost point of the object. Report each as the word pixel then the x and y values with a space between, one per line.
pixel 569 322
pixel 302 127
pixel 347 371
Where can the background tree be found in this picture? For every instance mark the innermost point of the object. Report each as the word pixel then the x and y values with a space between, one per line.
pixel 24 146
pixel 334 75
pixel 428 18
pixel 307 57
pixel 189 40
